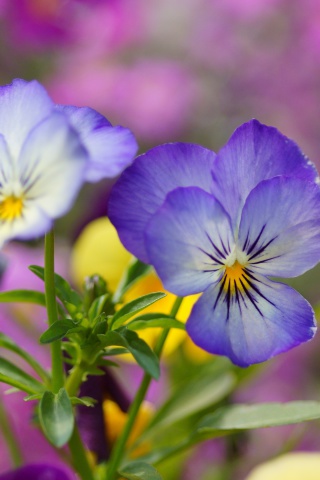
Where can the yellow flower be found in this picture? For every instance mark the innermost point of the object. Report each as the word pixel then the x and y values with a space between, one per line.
pixel 292 466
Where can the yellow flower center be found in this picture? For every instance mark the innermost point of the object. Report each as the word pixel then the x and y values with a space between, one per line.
pixel 234 278
pixel 11 208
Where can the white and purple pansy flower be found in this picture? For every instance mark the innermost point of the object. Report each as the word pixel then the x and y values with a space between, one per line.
pixel 47 152
pixel 223 225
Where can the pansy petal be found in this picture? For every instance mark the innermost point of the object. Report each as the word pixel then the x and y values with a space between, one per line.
pixel 6 167
pixel 253 326
pixel 188 239
pixel 51 165
pixel 143 187
pixel 22 106
pixel 254 153
pixel 111 149
pixel 35 472
pixel 280 227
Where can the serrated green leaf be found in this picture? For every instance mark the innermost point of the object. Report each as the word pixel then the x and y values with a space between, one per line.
pixel 9 344
pixel 194 395
pixel 13 375
pixel 140 350
pixel 135 271
pixel 57 330
pixel 134 307
pixel 69 297
pixel 24 296
pixel 56 417
pixel 246 417
pixel 139 471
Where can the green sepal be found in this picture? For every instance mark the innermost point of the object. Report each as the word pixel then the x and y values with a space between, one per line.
pixel 9 344
pixel 97 307
pixel 134 307
pixel 235 418
pixel 155 320
pixel 134 272
pixel 56 417
pixel 139 471
pixel 13 375
pixel 140 350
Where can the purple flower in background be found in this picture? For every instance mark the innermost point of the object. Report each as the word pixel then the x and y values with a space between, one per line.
pixel 223 225
pixel 47 152
pixel 35 472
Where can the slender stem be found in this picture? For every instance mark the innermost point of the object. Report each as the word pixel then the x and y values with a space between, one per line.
pixel 118 450
pixel 56 356
pixel 74 380
pixel 79 456
pixel 11 441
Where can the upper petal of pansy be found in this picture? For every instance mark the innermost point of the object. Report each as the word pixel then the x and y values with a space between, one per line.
pixel 252 323
pixel 111 149
pixel 22 106
pixel 280 227
pixel 188 240
pixel 254 153
pixel 35 472
pixel 143 187
pixel 45 180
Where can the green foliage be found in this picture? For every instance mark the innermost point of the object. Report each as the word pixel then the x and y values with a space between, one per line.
pixel 14 376
pixel 134 307
pixel 139 471
pixel 59 330
pixel 136 346
pixel 135 271
pixel 23 296
pixel 246 417
pixel 56 417
pixel 154 320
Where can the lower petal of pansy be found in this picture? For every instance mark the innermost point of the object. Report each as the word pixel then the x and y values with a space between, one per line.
pixel 188 240
pixel 143 187
pixel 111 149
pixel 251 322
pixel 280 227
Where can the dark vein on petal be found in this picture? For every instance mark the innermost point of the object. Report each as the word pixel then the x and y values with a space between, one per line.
pixel 252 246
pixel 261 249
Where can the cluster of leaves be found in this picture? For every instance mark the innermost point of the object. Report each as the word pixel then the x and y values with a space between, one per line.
pixel 96 326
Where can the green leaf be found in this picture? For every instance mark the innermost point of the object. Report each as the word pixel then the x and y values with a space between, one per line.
pixel 97 306
pixel 136 270
pixel 6 342
pixel 155 320
pixel 86 401
pixel 69 297
pixel 56 417
pixel 13 375
pixel 138 347
pixel 134 307
pixel 244 417
pixel 25 296
pixel 140 471
pixel 59 330
pixel 194 395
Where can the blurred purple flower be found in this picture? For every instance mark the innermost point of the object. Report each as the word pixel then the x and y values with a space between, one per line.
pixel 36 472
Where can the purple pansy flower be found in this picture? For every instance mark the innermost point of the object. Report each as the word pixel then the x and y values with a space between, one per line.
pixel 35 472
pixel 47 152
pixel 223 225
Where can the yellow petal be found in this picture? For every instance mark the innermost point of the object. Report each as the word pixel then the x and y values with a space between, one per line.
pixel 292 466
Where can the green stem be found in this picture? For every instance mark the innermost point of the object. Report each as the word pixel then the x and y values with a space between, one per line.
pixel 79 456
pixel 74 380
pixel 11 441
pixel 119 447
pixel 56 356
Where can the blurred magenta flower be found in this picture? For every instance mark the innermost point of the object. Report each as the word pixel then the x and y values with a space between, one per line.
pixel 139 94
pixel 47 152
pixel 35 472
pixel 223 225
